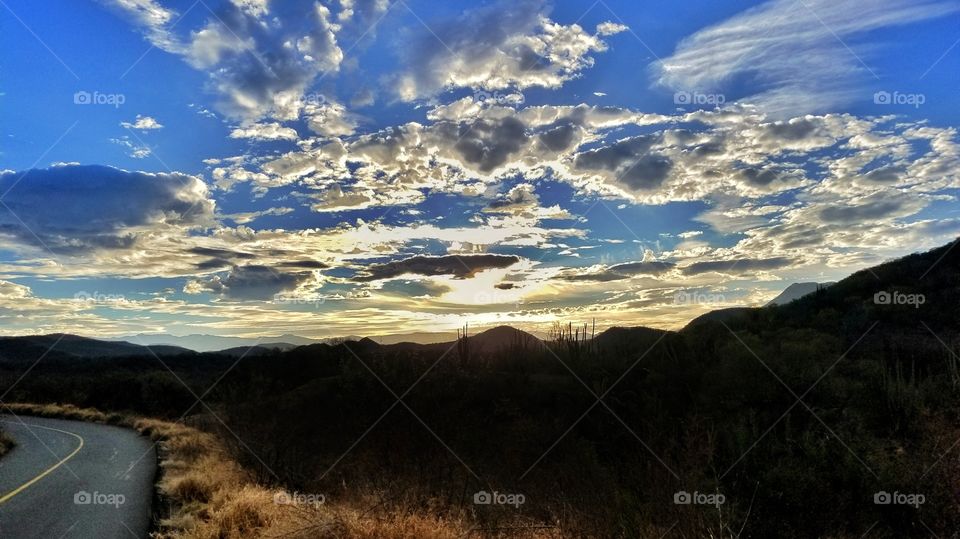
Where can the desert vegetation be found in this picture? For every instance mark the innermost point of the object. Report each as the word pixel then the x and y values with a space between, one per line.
pixel 798 415
pixel 6 443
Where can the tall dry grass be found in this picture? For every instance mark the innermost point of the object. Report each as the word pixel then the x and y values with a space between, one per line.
pixel 204 494
pixel 6 443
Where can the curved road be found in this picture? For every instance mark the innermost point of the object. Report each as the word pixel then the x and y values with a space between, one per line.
pixel 74 479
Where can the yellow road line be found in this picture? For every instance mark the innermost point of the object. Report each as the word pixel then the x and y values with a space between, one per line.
pixel 6 497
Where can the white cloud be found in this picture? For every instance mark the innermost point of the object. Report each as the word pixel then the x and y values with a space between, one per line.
pixel 135 149
pixel 794 57
pixel 611 28
pixel 143 123
pixel 85 208
pixel 505 45
pixel 264 131
pixel 260 57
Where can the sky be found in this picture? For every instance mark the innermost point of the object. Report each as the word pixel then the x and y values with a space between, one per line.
pixel 373 167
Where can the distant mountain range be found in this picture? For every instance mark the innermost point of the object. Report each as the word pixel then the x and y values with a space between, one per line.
pixel 213 343
pixel 168 345
pixel 62 345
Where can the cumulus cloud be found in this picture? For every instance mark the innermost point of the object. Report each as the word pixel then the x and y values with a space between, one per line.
pixel 737 266
pixel 505 45
pixel 825 191
pixel 394 165
pixel 618 272
pixel 522 201
pixel 264 131
pixel 251 282
pixel 260 57
pixel 459 266
pixel 143 123
pixel 77 208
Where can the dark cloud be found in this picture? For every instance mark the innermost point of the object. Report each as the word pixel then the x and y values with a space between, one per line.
pixel 460 266
pixel 791 131
pixel 758 177
pixel 890 174
pixel 619 272
pixel 737 266
pixel 561 137
pixel 77 208
pixel 709 149
pixel 252 282
pixel 489 143
pixel 220 253
pixel 629 161
pixel 305 264
pixel 411 288
pixel 213 263
pixel 519 197
pixel 221 262
pixel 871 211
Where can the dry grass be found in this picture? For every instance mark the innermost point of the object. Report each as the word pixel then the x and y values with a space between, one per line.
pixel 205 495
pixel 6 443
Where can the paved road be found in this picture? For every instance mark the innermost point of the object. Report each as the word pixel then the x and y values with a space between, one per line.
pixel 73 479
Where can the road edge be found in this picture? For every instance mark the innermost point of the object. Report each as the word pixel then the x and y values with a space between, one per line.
pixel 180 450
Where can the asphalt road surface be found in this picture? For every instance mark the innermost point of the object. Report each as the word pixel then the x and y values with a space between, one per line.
pixel 73 479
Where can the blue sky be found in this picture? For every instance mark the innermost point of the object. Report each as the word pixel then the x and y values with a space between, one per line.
pixel 369 167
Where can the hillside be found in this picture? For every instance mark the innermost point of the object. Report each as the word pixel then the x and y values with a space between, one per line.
pixel 64 346
pixel 799 414
pixel 796 291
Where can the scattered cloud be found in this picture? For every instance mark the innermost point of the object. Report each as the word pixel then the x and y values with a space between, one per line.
pixel 460 266
pixel 500 46
pixel 142 123
pixel 252 282
pixel 135 149
pixel 79 208
pixel 264 131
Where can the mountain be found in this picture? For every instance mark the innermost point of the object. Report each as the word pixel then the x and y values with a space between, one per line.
pixel 719 315
pixel 617 339
pixel 797 291
pixel 502 337
pixel 422 337
pixel 214 343
pixel 896 293
pixel 65 346
pixel 254 351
